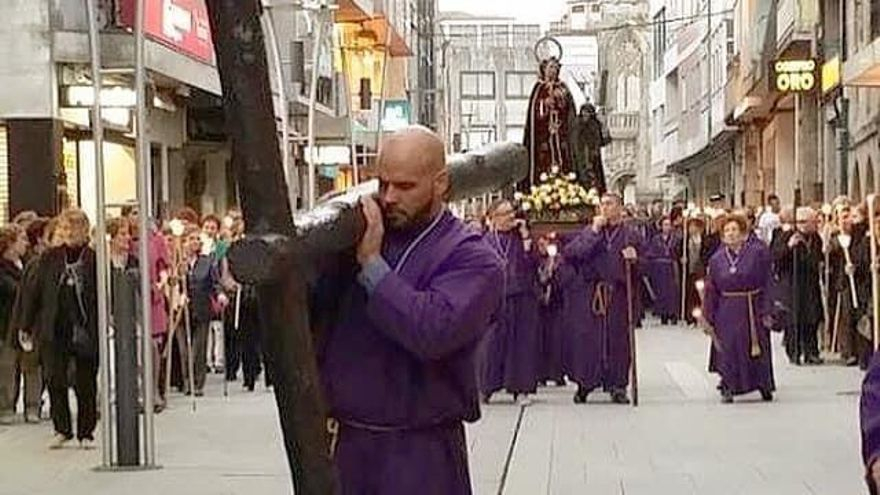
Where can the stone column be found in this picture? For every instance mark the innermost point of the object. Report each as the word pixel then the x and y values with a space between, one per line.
pixel 750 146
pixel 808 148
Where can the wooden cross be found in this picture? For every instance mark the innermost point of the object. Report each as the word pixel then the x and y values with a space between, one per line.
pixel 277 254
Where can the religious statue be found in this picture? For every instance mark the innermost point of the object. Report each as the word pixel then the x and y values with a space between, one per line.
pixel 592 136
pixel 561 142
pixel 549 124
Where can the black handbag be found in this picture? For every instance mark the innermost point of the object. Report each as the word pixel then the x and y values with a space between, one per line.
pixel 83 343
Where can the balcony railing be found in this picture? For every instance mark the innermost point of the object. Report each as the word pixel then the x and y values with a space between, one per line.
pixel 623 124
pixel 795 20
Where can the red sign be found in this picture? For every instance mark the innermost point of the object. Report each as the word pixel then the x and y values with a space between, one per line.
pixel 182 25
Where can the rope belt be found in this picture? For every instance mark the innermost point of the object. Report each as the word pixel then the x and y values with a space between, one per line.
pixel 334 426
pixel 755 347
pixel 601 298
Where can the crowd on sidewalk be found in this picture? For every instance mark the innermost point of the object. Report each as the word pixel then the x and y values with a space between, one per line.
pixel 202 320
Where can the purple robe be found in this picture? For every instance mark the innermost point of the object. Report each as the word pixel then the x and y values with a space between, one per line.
pixel 552 316
pixel 517 359
pixel 737 300
pixel 597 310
pixel 661 260
pixel 398 364
pixel 869 415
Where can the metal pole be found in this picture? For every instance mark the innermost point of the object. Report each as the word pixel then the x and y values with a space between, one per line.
pixel 165 180
pixel 275 52
pixel 101 236
pixel 144 177
pixel 794 255
pixel 318 31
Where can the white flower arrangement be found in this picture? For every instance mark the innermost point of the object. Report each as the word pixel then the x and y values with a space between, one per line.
pixel 557 197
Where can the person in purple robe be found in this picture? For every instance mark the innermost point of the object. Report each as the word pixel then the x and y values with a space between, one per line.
pixel 869 416
pixel 398 340
pixel 664 274
pixel 597 323
pixel 737 307
pixel 515 350
pixel 554 276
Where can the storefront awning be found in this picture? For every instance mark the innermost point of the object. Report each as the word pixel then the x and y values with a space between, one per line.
pixel 354 11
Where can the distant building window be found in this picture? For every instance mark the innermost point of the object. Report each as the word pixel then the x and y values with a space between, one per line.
pixel 479 85
pixel 578 9
pixel 519 84
pixel 731 41
pixel 659 40
pixel 515 134
pixel 477 113
pixel 496 36
pixel 516 111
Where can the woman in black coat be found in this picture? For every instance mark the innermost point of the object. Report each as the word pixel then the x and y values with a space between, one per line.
pixel 62 311
pixel 13 244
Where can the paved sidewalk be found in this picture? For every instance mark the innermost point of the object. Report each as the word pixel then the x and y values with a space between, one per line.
pixel 680 441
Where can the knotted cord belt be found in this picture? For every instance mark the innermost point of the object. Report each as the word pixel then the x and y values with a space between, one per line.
pixel 554 125
pixel 755 347
pixel 601 298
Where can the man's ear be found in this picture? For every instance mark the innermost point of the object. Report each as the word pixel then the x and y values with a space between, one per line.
pixel 441 183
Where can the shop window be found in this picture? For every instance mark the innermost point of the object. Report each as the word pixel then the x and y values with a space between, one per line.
pixel 69 156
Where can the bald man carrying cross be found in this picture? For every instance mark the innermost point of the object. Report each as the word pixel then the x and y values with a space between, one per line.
pixel 397 352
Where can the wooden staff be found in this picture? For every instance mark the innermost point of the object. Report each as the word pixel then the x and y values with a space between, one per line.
pixel 875 277
pixel 187 322
pixel 835 325
pixel 824 285
pixel 176 310
pixel 633 354
pixel 684 259
pixel 845 242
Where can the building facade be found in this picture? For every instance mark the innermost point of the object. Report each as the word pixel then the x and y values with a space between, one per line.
pixel 45 128
pixel 695 153
pixel 605 61
pixel 860 24
pixel 488 70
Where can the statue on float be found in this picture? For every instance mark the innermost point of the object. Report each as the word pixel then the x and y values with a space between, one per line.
pixel 561 141
pixel 565 164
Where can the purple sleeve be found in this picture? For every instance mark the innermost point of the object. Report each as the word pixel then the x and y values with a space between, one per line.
pixel 869 414
pixel 583 247
pixel 710 297
pixel 450 314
